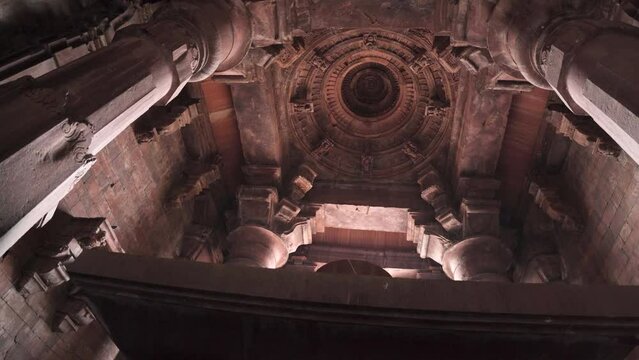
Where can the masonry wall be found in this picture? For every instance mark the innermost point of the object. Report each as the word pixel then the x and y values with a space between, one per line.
pixel 607 189
pixel 25 323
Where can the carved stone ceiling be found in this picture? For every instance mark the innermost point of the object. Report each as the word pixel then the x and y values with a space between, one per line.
pixel 370 103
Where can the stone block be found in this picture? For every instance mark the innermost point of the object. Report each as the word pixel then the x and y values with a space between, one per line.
pixel 256 205
pixel 10 322
pixel 18 352
pixel 480 217
pixel 19 305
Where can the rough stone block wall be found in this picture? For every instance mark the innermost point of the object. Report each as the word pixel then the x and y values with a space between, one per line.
pixel 25 324
pixel 128 185
pixel 607 189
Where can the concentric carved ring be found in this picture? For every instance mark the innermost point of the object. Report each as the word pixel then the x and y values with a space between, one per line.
pixel 370 90
pixel 370 102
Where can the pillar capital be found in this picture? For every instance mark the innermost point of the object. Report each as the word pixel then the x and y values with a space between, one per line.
pixel 256 246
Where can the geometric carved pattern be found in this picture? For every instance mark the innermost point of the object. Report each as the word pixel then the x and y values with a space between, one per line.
pixel 368 102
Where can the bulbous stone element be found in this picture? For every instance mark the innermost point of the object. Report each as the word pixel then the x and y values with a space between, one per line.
pixel 256 247
pixel 482 258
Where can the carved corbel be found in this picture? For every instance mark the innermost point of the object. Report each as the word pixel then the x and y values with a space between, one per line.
pixel 74 314
pixel 435 195
pixel 65 241
pixel 582 130
pixel 286 211
pixel 165 120
pixel 300 233
pixel 302 182
pixel 433 242
pixel 421 61
pixel 547 197
pixel 198 175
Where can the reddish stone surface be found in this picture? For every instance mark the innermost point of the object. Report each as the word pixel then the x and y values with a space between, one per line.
pixel 219 104
pixel 607 189
pixel 525 122
pixel 26 323
pixel 128 185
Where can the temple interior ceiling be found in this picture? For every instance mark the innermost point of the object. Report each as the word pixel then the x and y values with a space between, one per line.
pixel 492 142
pixel 370 103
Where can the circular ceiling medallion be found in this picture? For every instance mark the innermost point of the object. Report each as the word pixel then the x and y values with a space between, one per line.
pixel 370 103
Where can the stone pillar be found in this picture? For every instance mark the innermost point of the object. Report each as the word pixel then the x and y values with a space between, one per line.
pixel 593 67
pixel 271 227
pixel 55 124
pixel 566 46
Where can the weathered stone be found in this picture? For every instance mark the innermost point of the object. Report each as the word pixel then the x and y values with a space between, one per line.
pixel 302 182
pixel 256 205
pixel 256 246
pixel 198 175
pixel 483 258
pixel 286 211
pixel 299 234
pixel 75 111
pixel 480 217
pixel 548 199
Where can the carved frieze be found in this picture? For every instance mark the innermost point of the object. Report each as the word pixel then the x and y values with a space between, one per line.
pixel 420 62
pixel 302 107
pixel 367 164
pixel 320 62
pixel 411 150
pixel 289 54
pixel 370 40
pixel 323 149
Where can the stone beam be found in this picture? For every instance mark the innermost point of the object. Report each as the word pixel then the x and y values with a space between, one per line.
pixel 306 15
pixel 483 125
pixel 257 121
pixel 185 302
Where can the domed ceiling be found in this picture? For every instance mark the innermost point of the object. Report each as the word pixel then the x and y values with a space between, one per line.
pixel 370 103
